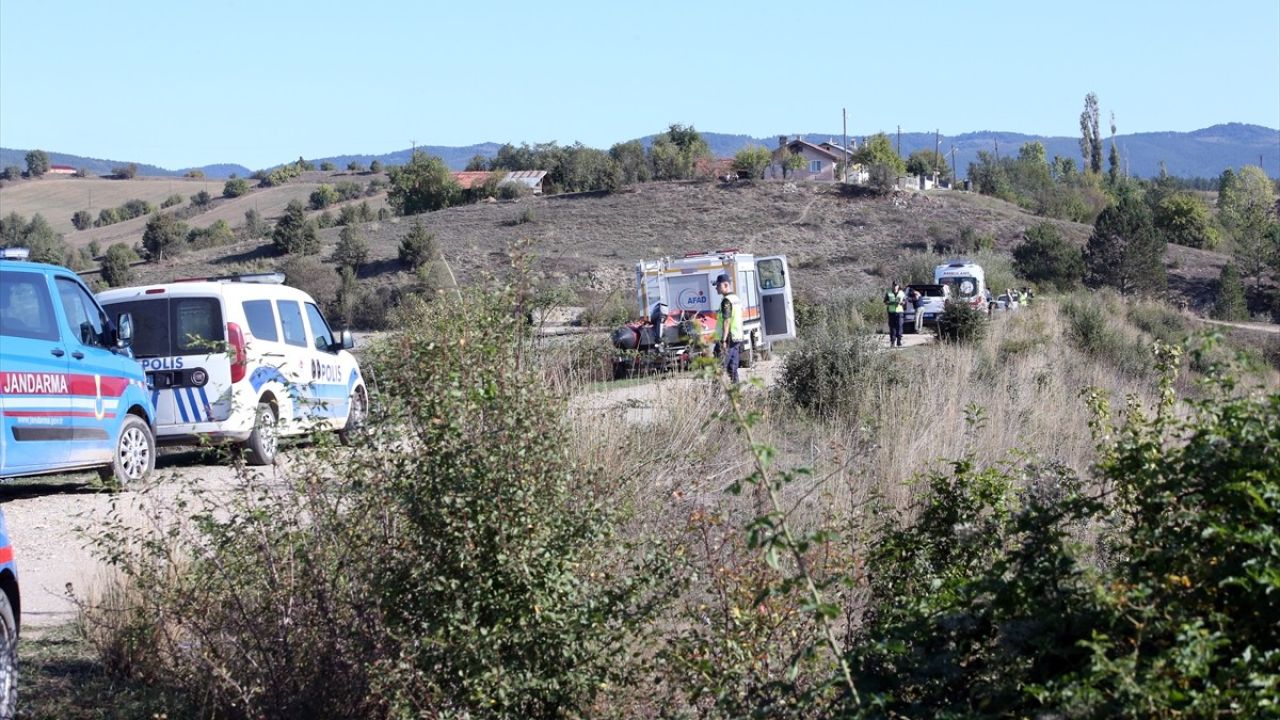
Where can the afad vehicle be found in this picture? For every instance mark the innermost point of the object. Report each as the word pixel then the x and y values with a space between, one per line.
pixel 71 395
pixel 242 359
pixel 967 281
pixel 679 307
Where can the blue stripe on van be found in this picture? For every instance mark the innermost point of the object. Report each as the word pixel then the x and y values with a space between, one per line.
pixel 195 408
pixel 204 403
pixel 182 409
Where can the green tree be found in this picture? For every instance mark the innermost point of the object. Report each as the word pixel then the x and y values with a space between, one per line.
pixel 352 250
pixel 1229 301
pixel 37 163
pixel 328 166
pixel 991 176
pixel 117 265
pixel 294 234
pixel 355 166
pixel 674 154
pixel 125 172
pixel 1124 251
pixel 1113 159
pixel 418 247
pixel 375 166
pixel 477 163
pixel 878 150
pixel 323 196
pixel 1184 220
pixel 1247 208
pixel 217 234
pixel 11 172
pixel 82 220
pixel 196 174
pixel 1090 136
pixel 928 162
pixel 423 185
pixel 235 187
pixel 1047 259
pixel 631 159
pixel 752 160
pixel 163 237
pixel 107 216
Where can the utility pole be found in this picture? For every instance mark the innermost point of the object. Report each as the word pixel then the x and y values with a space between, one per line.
pixel 937 155
pixel 953 167
pixel 844 141
pixel 899 149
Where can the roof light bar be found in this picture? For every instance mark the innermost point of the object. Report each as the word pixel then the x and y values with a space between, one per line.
pixel 266 278
pixel 14 253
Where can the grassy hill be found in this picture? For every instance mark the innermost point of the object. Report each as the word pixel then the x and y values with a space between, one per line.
pixel 589 243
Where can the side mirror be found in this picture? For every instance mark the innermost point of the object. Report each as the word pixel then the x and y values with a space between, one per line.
pixel 345 340
pixel 124 330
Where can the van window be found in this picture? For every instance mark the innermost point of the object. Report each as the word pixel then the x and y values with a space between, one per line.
pixel 291 323
pixel 319 328
pixel 84 318
pixel 25 309
pixel 164 327
pixel 262 319
pixel 771 275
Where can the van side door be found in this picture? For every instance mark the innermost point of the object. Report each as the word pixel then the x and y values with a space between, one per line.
pixel 776 306
pixel 35 404
pixel 95 373
pixel 330 395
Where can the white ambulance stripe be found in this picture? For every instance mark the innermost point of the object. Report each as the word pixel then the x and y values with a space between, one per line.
pixel 17 403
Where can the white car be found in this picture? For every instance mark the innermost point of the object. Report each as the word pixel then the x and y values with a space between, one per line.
pixel 242 359
pixel 924 312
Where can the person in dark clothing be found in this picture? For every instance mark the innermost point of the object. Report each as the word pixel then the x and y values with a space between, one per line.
pixel 894 302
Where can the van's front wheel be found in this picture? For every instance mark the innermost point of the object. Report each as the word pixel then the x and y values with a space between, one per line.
pixel 357 413
pixel 135 453
pixel 265 439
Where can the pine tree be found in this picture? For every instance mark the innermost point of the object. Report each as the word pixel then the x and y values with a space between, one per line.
pixel 1124 251
pixel 1230 301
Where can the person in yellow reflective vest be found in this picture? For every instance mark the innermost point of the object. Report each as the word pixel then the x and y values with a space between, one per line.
pixel 894 303
pixel 730 327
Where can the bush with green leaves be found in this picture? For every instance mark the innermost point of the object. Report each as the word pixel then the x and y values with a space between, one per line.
pixel 217 234
pixel 235 187
pixel 352 250
pixel 163 237
pixel 1090 329
pixel 961 322
pixel 82 220
pixel 116 265
pixel 1047 259
pixel 37 235
pixel 417 247
pixel 322 197
pixel 1229 301
pixel 174 199
pixel 201 199
pixel 294 233
pixel 11 172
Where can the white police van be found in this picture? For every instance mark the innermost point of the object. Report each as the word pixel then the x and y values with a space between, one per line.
pixel 71 395
pixel 242 359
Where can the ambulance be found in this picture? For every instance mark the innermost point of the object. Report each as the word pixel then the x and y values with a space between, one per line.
pixel 71 395
pixel 677 299
pixel 243 360
pixel 967 280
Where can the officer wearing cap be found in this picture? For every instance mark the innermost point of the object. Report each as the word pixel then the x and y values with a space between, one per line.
pixel 730 326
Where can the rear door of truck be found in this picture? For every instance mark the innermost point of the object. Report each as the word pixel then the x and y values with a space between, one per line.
pixel 776 305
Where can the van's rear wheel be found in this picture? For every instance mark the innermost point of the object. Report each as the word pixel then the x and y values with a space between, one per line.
pixel 265 439
pixel 8 658
pixel 135 453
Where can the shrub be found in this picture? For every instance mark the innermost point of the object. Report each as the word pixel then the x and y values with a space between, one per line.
pixel 201 199
pixel 217 234
pixel 309 273
pixel 170 201
pixel 163 236
pixel 11 172
pixel 829 369
pixel 417 247
pixel 125 172
pixel 322 197
pixel 82 220
pixel 513 191
pixel 235 187
pixel 347 190
pixel 375 166
pixel 195 174
pixel 107 216
pixel 1047 259
pixel 1090 330
pixel 960 322
pixel 135 208
pixel 882 178
pixel 324 220
pixel 1229 301
pixel 328 166
pixel 294 233
pixel 352 250
pixel 527 215
pixel 116 265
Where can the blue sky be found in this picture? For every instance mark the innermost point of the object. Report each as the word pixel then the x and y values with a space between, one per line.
pixel 260 82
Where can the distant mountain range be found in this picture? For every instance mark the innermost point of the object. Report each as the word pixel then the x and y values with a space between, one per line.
pixel 1200 153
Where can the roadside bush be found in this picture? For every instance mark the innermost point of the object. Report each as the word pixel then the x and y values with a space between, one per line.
pixel 882 178
pixel 309 273
pixel 82 220
pixel 828 371
pixel 201 199
pixel 960 322
pixel 174 199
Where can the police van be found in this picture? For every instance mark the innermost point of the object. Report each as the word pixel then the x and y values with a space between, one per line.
pixel 242 359
pixel 71 395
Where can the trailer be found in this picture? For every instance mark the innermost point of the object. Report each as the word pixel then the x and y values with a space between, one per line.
pixel 678 309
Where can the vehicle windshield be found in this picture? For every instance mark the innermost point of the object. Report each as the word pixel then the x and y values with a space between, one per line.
pixel 164 327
